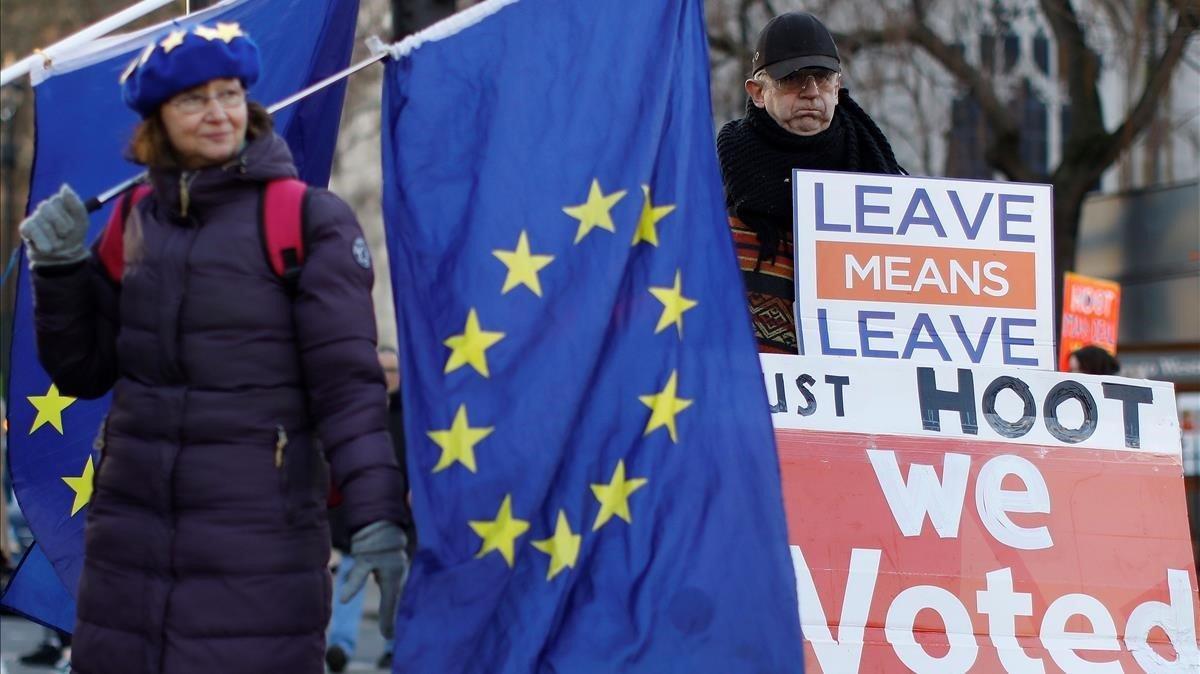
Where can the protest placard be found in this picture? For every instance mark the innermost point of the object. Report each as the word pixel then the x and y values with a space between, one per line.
pixel 924 269
pixel 951 519
pixel 1091 311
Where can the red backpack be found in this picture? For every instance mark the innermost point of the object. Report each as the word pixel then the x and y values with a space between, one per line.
pixel 280 218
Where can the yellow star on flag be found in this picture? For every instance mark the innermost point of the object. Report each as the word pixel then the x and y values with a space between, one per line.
pixel 651 214
pixel 595 211
pixel 563 547
pixel 172 40
pixel 469 347
pixel 523 267
pixel 458 442
pixel 674 304
pixel 224 32
pixel 49 409
pixel 82 486
pixel 664 406
pixel 499 534
pixel 614 496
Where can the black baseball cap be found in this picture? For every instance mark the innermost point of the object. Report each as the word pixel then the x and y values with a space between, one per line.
pixel 793 41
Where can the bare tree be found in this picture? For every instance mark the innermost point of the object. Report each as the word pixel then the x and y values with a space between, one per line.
pixel 1146 39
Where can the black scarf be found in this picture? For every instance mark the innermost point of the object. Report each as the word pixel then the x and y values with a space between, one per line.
pixel 757 158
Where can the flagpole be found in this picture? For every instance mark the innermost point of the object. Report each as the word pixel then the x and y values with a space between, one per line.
pixel 379 52
pixel 84 36
pixel 313 88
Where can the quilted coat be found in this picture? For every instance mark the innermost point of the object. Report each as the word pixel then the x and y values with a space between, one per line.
pixel 206 539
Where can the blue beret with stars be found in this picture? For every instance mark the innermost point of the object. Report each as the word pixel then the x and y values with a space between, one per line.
pixel 185 59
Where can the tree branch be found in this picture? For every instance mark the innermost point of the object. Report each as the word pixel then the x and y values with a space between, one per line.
pixel 851 43
pixel 1080 67
pixel 1118 15
pixel 1185 7
pixel 1160 78
pixel 919 10
pixel 1002 150
pixel 723 44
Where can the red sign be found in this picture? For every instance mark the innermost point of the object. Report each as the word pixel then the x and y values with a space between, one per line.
pixel 956 556
pixel 946 549
pixel 1091 312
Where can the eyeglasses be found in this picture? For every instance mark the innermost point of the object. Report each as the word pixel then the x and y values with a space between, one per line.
pixel 193 103
pixel 827 80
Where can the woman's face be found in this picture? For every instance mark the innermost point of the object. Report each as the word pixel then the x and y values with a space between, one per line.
pixel 206 125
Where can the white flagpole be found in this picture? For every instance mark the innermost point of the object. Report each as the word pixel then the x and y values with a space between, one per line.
pixel 84 36
pixel 313 88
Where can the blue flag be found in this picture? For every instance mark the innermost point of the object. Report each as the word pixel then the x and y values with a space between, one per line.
pixel 36 592
pixel 593 468
pixel 82 129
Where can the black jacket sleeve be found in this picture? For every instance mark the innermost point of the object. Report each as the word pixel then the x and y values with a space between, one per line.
pixel 76 318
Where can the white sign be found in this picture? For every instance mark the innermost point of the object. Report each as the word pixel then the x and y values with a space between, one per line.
pixel 1047 409
pixel 923 269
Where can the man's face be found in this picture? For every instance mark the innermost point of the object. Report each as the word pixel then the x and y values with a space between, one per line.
pixel 803 102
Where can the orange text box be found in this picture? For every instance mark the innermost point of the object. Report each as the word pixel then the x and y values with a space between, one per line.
pixel 926 275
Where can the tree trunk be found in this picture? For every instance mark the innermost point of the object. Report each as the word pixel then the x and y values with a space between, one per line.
pixel 410 16
pixel 1068 210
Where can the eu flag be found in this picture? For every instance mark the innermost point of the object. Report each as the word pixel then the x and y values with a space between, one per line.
pixel 592 461
pixel 82 129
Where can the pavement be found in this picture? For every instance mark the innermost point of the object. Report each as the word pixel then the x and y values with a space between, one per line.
pixel 19 636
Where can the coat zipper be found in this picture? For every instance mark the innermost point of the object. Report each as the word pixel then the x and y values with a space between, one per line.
pixel 185 195
pixel 281 441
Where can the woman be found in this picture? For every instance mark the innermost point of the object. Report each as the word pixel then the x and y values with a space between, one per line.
pixel 207 539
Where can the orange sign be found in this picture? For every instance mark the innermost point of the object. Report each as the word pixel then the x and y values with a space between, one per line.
pixel 1091 310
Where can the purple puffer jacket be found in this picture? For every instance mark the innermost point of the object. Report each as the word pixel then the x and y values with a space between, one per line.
pixel 207 540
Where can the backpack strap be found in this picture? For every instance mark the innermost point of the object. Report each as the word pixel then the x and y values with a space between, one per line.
pixel 282 220
pixel 112 242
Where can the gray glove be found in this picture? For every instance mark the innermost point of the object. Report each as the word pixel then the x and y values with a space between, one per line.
pixel 380 549
pixel 54 233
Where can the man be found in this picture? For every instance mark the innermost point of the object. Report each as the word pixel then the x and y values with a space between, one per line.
pixel 797 116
